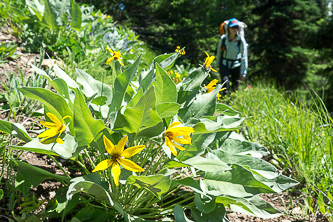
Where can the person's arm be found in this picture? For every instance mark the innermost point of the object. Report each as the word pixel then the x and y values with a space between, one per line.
pixel 244 63
pixel 219 53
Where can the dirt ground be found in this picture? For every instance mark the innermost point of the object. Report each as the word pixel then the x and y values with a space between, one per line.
pixel 290 208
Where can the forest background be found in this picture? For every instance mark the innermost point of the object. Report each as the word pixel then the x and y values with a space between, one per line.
pixel 290 41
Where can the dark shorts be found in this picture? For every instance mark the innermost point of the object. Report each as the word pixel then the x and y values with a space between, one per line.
pixel 229 76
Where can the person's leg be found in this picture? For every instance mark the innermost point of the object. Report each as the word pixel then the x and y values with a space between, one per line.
pixel 235 76
pixel 224 74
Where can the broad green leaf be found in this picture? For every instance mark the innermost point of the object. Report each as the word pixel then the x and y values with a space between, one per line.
pixel 59 84
pixel 91 87
pixel 203 105
pixel 242 147
pixel 254 206
pixel 76 16
pixel 62 6
pixel 15 129
pixel 21 15
pixel 167 110
pixel 278 183
pixel 142 117
pixel 94 185
pixel 62 75
pixel 225 110
pixel 207 165
pixel 86 127
pixel 180 214
pixel 146 79
pixel 245 160
pixel 120 86
pixel 166 91
pixel 157 184
pixel 190 183
pixel 64 150
pixel 36 7
pixel 205 204
pixel 53 103
pixel 239 178
pixel 218 214
pixel 166 61
pixel 36 175
pixel 193 81
pixel 51 17
pixel 135 99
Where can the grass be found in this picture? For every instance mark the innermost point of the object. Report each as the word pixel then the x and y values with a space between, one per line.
pixel 298 135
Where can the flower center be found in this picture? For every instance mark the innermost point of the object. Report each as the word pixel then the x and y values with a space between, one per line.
pixel 169 134
pixel 115 157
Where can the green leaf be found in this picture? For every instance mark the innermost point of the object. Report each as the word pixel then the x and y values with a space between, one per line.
pixel 207 165
pixel 1 194
pixel 36 7
pixel 62 6
pixel 91 87
pixel 36 175
pixel 165 61
pixel 240 146
pixel 94 185
pixel 15 129
pixel 203 105
pixel 53 103
pixel 76 16
pixel 121 83
pixel 225 110
pixel 51 17
pixel 86 127
pixel 62 75
pixel 218 214
pixel 254 206
pixel 193 81
pixel 167 110
pixel 142 118
pixel 239 181
pixel 166 91
pixel 180 214
pixel 64 150
pixel 204 205
pixel 157 184
pixel 21 15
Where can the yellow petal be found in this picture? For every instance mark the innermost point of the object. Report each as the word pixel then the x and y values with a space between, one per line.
pixel 116 173
pixel 171 146
pixel 213 69
pixel 108 145
pixel 121 145
pixel 180 140
pixel 130 165
pixel 54 119
pixel 59 140
pixel 207 54
pixel 48 124
pixel 179 147
pixel 103 165
pixel 48 133
pixel 129 152
pixel 173 125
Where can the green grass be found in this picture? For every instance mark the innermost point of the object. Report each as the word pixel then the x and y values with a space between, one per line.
pixel 298 135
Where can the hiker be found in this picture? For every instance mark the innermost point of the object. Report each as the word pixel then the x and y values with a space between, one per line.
pixel 232 54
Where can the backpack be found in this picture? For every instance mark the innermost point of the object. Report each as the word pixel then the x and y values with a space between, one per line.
pixel 224 30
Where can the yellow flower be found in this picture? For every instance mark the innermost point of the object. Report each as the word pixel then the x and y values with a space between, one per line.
pixel 118 155
pixel 182 51
pixel 56 128
pixel 209 61
pixel 173 134
pixel 115 56
pixel 218 96
pixel 131 51
pixel 177 75
pixel 211 86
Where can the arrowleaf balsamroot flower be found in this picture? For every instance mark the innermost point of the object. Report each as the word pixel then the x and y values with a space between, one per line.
pixel 209 61
pixel 211 86
pixel 118 155
pixel 173 134
pixel 56 128
pixel 182 52
pixel 115 56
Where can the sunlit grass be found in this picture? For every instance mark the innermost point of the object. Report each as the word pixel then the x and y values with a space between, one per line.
pixel 298 135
